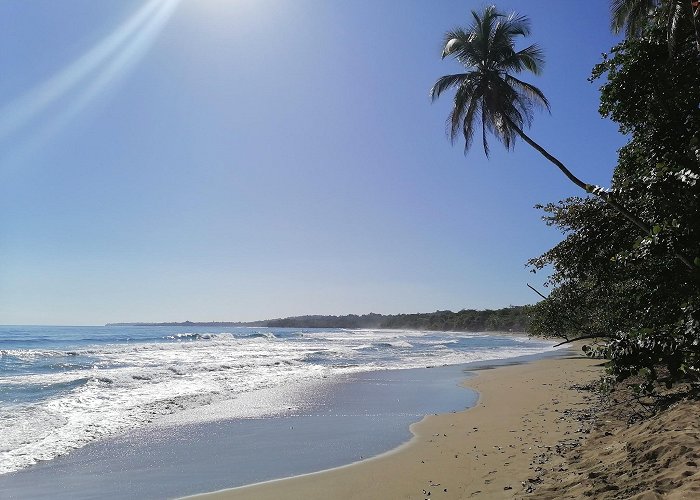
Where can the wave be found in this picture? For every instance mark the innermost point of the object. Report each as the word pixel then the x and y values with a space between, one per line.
pixel 32 354
pixel 103 389
pixel 261 335
pixel 399 344
pixel 364 347
pixel 78 411
pixel 184 337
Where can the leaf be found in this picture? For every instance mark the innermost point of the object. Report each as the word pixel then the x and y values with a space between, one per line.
pixel 656 229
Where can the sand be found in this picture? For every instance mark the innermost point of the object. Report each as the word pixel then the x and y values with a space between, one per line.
pixel 489 451
pixel 652 458
pixel 537 432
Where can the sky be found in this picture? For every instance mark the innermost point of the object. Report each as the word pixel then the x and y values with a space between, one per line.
pixel 234 160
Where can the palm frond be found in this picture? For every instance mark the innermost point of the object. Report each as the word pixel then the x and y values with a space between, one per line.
pixel 631 15
pixel 453 42
pixel 515 108
pixel 460 106
pixel 487 95
pixel 466 100
pixel 530 58
pixel 484 126
pixel 519 24
pixel 506 29
pixel 468 122
pixel 673 18
pixel 459 44
pixel 535 95
pixel 635 15
pixel 445 82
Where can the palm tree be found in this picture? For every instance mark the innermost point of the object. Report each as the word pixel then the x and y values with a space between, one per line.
pixel 489 96
pixel 633 15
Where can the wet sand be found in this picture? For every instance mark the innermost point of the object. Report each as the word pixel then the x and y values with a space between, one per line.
pixel 489 451
pixel 333 422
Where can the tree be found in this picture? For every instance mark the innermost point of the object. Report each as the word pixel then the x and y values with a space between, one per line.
pixel 489 94
pixel 608 283
pixel 678 16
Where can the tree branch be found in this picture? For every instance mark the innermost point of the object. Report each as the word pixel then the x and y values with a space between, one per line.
pixel 534 290
pixel 596 336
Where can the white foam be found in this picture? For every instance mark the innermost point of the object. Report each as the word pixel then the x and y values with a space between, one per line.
pixel 132 384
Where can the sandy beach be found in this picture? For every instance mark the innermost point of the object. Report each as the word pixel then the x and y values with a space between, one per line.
pixel 489 451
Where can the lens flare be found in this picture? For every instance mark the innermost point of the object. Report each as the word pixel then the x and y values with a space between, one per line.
pixel 88 76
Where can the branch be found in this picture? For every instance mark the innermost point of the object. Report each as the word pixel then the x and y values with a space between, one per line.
pixel 533 289
pixel 576 323
pixel 596 336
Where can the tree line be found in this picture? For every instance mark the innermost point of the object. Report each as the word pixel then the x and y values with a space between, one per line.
pixel 513 318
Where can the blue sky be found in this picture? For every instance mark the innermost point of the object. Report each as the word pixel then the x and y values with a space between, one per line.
pixel 248 159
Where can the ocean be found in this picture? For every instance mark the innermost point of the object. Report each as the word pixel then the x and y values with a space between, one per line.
pixel 62 388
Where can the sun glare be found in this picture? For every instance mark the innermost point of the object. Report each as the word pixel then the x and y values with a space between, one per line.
pixel 89 74
pixel 226 8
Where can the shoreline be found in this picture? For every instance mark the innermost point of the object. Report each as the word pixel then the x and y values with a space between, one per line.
pixel 484 451
pixel 330 424
pixel 177 457
pixel 345 396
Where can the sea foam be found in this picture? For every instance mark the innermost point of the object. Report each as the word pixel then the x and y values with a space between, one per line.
pixel 62 397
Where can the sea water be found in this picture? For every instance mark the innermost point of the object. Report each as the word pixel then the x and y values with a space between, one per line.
pixel 64 387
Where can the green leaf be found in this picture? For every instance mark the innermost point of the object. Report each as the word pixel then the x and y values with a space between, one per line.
pixel 656 229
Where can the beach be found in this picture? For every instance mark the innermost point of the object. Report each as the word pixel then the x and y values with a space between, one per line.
pixel 525 427
pixel 303 249
pixel 165 412
pixel 487 451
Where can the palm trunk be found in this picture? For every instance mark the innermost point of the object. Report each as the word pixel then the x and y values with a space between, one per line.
pixel 599 192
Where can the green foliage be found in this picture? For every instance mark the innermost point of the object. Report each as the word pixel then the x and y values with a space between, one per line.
pixel 631 290
pixel 514 318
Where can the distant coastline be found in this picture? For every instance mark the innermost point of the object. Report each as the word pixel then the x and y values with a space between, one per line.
pixel 513 318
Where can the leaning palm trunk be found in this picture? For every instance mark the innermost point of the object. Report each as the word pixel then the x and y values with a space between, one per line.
pixel 597 191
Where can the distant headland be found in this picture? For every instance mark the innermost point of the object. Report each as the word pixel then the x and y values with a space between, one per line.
pixel 513 318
